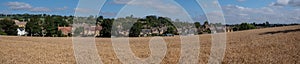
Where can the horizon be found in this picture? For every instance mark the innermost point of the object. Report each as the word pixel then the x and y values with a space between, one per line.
pixel 161 16
pixel 235 11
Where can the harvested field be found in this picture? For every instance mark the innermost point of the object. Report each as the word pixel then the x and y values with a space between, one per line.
pixel 279 45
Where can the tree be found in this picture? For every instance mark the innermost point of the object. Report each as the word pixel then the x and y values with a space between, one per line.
pixel 151 21
pixel 205 25
pixel 246 26
pixel 8 27
pixel 170 30
pixel 33 27
pixel 208 31
pixel 107 26
pixel 254 23
pixel 78 31
pixel 267 24
pixel 164 22
pixel 50 26
pixel 99 20
pixel 2 32
pixel 135 30
pixel 197 25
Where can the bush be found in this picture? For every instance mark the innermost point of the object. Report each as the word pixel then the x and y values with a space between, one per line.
pixel 2 33
pixel 8 27
pixel 156 35
pixel 208 31
pixel 246 26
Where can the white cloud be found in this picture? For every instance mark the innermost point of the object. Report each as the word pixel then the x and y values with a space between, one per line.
pixel 84 10
pixel 243 14
pixel 286 3
pixel 215 2
pixel 87 12
pixel 109 14
pixel 295 2
pixel 121 1
pixel 283 2
pixel 238 14
pixel 28 7
pixel 240 0
pixel 19 5
pixel 40 9
pixel 161 6
pixel 63 8
pixel 165 8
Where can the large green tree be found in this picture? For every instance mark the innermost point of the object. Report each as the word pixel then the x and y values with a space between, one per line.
pixel 135 30
pixel 33 27
pixel 50 26
pixel 246 26
pixel 8 27
pixel 197 24
pixel 107 26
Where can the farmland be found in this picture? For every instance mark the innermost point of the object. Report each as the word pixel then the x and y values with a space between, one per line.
pixel 268 45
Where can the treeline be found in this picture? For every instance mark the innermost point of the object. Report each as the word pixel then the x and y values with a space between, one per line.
pixel 247 26
pixel 8 27
pixel 135 26
pixel 47 25
pixel 37 25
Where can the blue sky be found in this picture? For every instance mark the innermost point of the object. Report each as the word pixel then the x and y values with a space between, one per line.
pixel 235 11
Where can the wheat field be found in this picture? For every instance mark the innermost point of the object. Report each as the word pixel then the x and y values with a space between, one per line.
pixel 278 45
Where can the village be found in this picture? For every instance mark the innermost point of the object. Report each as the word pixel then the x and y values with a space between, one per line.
pixel 86 29
pixel 129 26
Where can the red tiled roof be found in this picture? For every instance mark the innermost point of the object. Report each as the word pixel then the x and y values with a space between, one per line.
pixel 20 23
pixel 93 28
pixel 65 30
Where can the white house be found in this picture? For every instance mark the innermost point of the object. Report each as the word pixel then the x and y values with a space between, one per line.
pixel 21 27
pixel 21 32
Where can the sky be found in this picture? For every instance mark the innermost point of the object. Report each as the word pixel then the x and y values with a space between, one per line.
pixel 234 11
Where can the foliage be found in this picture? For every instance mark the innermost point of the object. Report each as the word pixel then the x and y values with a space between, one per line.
pixel 2 32
pixel 107 26
pixel 8 27
pixel 197 24
pixel 40 24
pixel 208 31
pixel 170 30
pixel 267 24
pixel 135 25
pixel 33 27
pixel 50 27
pixel 78 31
pixel 246 26
pixel 135 30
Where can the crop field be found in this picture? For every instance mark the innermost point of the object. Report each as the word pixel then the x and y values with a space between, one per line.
pixel 279 45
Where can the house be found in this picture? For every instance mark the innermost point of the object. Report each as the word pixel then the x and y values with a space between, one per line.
pixel 65 30
pixel 123 32
pixel 229 29
pixel 158 30
pixel 21 31
pixel 97 30
pixel 145 32
pixel 88 30
pixel 120 31
pixel 21 27
pixel 92 30
pixel 20 24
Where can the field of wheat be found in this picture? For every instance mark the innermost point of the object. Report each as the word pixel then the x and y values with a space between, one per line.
pixel 279 45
